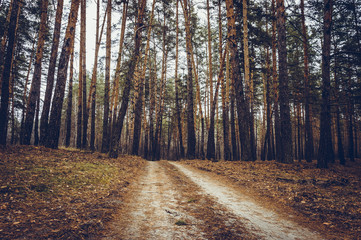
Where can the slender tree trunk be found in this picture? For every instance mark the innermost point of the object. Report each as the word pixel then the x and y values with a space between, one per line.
pixel 309 135
pixel 106 132
pixel 57 104
pixel 25 94
pixel 210 70
pixel 325 152
pixel 80 87
pixel 225 106
pixel 247 77
pixel 285 118
pixel 115 92
pixel 84 143
pixel 268 153
pixel 211 148
pixel 350 124
pixel 235 154
pixel 4 37
pixel 36 124
pixel 70 100
pixel 36 82
pixel 242 104
pixel 275 84
pixel 93 84
pixel 340 150
pixel 152 93
pixel 139 102
pixel 118 125
pixel 191 141
pixel 178 106
pixel 51 73
pixel 12 83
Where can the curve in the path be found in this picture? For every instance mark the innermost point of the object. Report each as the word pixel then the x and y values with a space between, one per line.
pixel 263 222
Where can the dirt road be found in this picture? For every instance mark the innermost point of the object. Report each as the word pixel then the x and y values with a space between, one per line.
pixel 175 201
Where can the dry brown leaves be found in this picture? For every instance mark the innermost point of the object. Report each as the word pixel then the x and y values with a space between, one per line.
pixel 60 194
pixel 331 197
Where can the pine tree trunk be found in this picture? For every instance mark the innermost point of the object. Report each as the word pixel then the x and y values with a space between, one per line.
pixel 51 73
pixel 247 77
pixel 275 84
pixel 176 81
pixel 115 92
pixel 24 94
pixel 57 104
pixel 93 84
pixel 225 106
pixel 241 103
pixel 36 124
pixel 36 82
pixel 350 125
pixel 80 89
pixel 70 100
pixel 308 126
pixel 118 125
pixel 3 38
pixel 106 133
pixel 325 152
pixel 139 102
pixel 210 70
pixel 11 36
pixel 211 148
pixel 152 101
pixel 235 153
pixel 83 66
pixel 285 118
pixel 191 141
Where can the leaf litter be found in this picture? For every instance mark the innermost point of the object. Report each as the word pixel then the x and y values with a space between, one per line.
pixel 329 200
pixel 60 194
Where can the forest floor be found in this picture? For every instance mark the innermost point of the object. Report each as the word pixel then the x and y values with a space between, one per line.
pixel 71 194
pixel 60 194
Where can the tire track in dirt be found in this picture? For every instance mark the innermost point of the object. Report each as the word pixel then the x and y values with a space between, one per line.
pixel 262 222
pixel 152 209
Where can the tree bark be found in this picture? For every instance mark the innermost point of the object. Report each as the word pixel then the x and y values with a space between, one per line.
pixel 176 81
pixel 36 82
pixel 225 106
pixel 139 102
pixel 51 73
pixel 106 133
pixel 247 76
pixel 84 142
pixel 115 92
pixel 325 151
pixel 308 125
pixel 57 104
pixel 70 100
pixel 241 103
pixel 286 154
pixel 211 148
pixel 275 83
pixel 191 141
pixel 118 125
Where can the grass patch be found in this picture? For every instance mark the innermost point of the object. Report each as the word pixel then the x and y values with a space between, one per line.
pixel 181 223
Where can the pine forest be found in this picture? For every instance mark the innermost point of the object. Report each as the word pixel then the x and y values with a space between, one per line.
pixel 238 83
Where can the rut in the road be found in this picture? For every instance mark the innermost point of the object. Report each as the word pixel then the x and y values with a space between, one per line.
pixel 262 222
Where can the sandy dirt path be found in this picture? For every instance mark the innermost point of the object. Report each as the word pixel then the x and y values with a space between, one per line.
pixel 262 222
pixel 153 209
pixel 168 193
